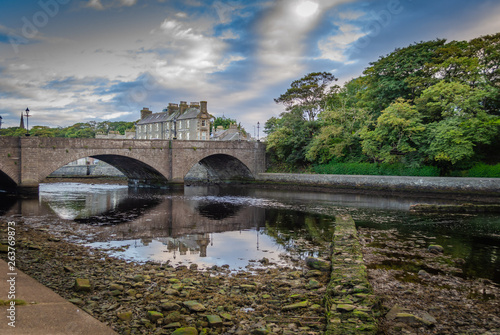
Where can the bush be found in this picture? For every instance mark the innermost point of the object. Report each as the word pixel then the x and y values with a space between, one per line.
pixel 484 171
pixel 376 169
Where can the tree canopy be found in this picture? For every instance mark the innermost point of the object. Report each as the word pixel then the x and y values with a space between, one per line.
pixel 433 103
pixel 82 129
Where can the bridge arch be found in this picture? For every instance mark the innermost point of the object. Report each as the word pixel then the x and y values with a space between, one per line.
pixel 218 168
pixel 137 171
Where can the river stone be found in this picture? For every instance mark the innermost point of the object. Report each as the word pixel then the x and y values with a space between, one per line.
pixel 82 284
pixel 173 325
pixel 313 284
pixel 313 273
pixel 138 278
pixel 194 306
pixel 170 306
pixel 435 249
pixel 345 307
pixel 124 316
pixel 185 331
pixel 115 286
pixel 318 264
pixel 226 316
pixel 409 318
pixel 298 305
pixel 214 320
pixel 428 319
pixel 154 316
pixel 174 317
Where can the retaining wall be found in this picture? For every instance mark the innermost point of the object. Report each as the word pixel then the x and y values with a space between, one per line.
pixel 436 185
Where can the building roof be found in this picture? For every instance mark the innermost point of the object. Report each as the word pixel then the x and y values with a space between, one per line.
pixel 190 113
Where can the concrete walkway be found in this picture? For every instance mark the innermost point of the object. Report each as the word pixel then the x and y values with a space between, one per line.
pixel 46 312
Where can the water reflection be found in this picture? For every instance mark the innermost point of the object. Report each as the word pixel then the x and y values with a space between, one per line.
pixel 218 225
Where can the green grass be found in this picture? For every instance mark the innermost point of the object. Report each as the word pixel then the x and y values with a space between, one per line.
pixel 376 169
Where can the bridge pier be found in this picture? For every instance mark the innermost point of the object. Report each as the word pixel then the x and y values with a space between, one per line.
pixel 26 190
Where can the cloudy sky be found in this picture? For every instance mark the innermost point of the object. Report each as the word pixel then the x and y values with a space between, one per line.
pixel 79 60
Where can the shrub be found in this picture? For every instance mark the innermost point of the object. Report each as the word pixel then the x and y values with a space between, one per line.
pixel 376 169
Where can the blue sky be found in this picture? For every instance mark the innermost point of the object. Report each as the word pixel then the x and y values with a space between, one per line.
pixel 80 60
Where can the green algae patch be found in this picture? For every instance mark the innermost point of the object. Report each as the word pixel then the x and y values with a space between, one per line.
pixel 351 307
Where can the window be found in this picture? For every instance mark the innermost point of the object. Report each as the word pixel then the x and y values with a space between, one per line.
pixel 187 124
pixel 203 136
pixel 203 123
pixel 187 135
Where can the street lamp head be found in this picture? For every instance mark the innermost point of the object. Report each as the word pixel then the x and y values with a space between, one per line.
pixel 27 111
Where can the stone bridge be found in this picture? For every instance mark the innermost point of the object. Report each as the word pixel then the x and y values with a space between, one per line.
pixel 27 161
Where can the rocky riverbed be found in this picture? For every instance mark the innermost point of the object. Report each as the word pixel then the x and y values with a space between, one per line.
pixel 423 290
pixel 162 299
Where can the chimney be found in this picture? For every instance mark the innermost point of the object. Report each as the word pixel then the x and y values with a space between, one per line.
pixel 203 105
pixel 194 105
pixel 183 106
pixel 145 112
pixel 172 108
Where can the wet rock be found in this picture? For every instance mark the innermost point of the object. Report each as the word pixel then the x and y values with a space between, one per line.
pixel 435 249
pixel 173 325
pixel 428 319
pixel 318 264
pixel 82 284
pixel 302 304
pixel 169 306
pixel 345 307
pixel 424 274
pixel 313 284
pixel 115 286
pixel 124 316
pixel 185 331
pixel 264 261
pixel 138 278
pixel 409 319
pixel 68 269
pixel 214 320
pixel 154 316
pixel 194 306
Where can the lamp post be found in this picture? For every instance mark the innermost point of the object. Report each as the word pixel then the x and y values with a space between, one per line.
pixel 258 126
pixel 1 118
pixel 27 122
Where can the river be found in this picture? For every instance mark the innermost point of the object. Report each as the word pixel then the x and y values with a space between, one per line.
pixel 237 226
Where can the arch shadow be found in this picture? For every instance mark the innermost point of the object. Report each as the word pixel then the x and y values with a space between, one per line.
pixel 135 170
pixel 6 182
pixel 218 168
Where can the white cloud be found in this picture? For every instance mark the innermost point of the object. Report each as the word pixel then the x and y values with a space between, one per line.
pixel 114 115
pixel 334 47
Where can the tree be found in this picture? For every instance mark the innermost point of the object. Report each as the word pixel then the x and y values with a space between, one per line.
pixel 395 135
pixel 289 141
pixel 340 123
pixel 223 121
pixel 307 94
pixel 401 74
pixel 457 122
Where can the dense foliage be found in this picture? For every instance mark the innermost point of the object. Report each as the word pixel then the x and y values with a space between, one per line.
pixel 86 130
pixel 432 107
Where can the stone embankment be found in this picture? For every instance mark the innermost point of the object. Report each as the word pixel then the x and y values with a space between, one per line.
pixel 351 307
pixel 431 185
